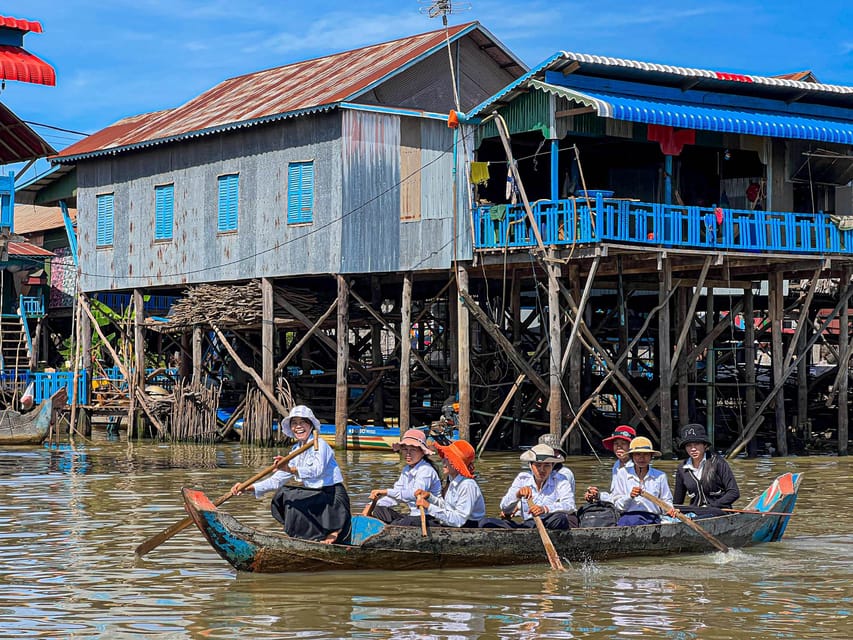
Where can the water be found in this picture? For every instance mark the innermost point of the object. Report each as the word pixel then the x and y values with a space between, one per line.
pixel 70 519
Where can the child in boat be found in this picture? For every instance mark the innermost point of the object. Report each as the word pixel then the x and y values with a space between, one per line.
pixel 705 477
pixel 617 443
pixel 320 508
pixel 631 481
pixel 418 473
pixel 554 442
pixel 461 503
pixel 540 491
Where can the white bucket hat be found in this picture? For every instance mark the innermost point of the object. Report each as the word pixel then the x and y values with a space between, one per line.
pixel 299 411
pixel 541 453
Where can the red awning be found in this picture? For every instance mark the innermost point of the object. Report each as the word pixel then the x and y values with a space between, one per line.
pixel 20 24
pixel 19 64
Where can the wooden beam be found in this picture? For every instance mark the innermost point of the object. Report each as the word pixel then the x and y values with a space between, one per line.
pixel 463 354
pixel 405 352
pixel 664 342
pixel 341 382
pixel 497 417
pixel 267 332
pixel 304 339
pixel 555 397
pixel 685 329
pixel 844 372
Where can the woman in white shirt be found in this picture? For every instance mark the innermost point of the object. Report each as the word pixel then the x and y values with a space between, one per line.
pixel 631 482
pixel 320 508
pixel 461 504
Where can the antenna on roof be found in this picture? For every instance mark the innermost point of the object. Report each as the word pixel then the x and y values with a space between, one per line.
pixel 435 8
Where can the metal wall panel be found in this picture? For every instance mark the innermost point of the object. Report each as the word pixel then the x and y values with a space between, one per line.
pixel 263 245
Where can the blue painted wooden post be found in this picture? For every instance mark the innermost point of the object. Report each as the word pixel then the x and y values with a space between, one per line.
pixel 667 189
pixel 555 170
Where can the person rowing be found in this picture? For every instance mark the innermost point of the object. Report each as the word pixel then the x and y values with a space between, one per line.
pixel 618 443
pixel 320 508
pixel 461 503
pixel 705 478
pixel 631 482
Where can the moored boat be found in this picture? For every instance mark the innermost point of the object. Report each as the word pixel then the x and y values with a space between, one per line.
pixel 30 428
pixel 379 546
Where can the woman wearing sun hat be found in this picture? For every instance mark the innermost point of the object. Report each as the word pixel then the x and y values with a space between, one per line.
pixel 705 477
pixel 418 473
pixel 320 508
pixel 630 482
pixel 539 491
pixel 617 443
pixel 461 504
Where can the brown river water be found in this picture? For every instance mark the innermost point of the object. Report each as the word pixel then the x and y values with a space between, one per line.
pixel 71 518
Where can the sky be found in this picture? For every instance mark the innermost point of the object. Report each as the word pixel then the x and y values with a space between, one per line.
pixel 116 58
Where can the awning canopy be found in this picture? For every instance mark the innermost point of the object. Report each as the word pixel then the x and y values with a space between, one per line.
pixel 705 118
pixel 18 64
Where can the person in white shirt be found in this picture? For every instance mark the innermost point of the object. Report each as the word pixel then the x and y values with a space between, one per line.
pixel 418 473
pixel 461 504
pixel 540 491
pixel 631 482
pixel 320 508
pixel 618 443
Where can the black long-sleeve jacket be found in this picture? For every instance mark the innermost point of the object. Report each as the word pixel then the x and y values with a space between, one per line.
pixel 717 487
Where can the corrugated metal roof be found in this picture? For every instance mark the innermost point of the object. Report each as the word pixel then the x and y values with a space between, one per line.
pixel 295 89
pixel 18 64
pixel 28 249
pixel 30 218
pixel 20 24
pixel 19 142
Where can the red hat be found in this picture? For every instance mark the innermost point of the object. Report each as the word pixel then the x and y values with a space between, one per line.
pixel 622 432
pixel 460 454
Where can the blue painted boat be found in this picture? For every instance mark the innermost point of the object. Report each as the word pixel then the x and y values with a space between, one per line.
pixel 379 546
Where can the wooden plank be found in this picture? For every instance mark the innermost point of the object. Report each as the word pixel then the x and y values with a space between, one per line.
pixel 749 354
pixel 341 382
pixel 664 341
pixel 463 356
pixel 405 352
pixel 267 332
pixel 555 399
pixel 844 372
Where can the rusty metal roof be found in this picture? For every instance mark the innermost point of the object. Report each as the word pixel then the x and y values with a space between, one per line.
pixel 18 248
pixel 18 142
pixel 294 89
pixel 32 218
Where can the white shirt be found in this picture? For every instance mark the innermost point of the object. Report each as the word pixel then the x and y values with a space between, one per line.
pixel 557 494
pixel 462 502
pixel 604 496
pixel 697 473
pixel 654 483
pixel 421 476
pixel 315 469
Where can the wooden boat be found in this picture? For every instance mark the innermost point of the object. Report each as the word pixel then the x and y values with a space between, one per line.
pixel 32 427
pixel 379 546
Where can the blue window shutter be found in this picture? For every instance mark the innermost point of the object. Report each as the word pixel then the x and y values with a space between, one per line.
pixel 300 192
pixel 228 197
pixel 105 220
pixel 164 211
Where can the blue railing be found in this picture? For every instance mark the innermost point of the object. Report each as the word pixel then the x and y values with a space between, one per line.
pixel 565 222
pixel 31 306
pixel 46 384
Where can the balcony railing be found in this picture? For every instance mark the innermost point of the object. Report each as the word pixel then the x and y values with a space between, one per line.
pixel 565 222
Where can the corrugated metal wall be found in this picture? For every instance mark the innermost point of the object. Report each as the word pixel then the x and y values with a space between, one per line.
pixel 263 245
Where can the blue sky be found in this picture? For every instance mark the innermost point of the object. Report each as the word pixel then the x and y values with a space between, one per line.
pixel 116 58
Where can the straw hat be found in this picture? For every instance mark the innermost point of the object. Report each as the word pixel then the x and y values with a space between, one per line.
pixel 642 445
pixel 622 432
pixel 460 454
pixel 541 453
pixel 413 438
pixel 299 411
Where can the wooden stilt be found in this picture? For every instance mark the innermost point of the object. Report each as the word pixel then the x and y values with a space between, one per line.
pixel 463 354
pixel 267 332
pixel 518 402
pixel 844 368
pixel 776 319
pixel 376 351
pixel 555 399
pixel 341 382
pixel 197 339
pixel 749 356
pixel 664 291
pixel 405 353
pixel 685 320
pixel 575 366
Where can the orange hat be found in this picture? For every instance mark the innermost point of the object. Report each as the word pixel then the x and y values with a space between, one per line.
pixel 460 454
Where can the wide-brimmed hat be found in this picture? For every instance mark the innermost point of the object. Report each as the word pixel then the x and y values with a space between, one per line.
pixel 552 441
pixel 460 454
pixel 541 453
pixel 414 438
pixel 622 432
pixel 693 433
pixel 642 445
pixel 299 411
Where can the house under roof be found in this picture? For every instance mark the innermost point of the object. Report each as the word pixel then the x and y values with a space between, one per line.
pixel 309 86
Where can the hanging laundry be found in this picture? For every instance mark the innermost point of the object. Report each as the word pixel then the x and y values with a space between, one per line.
pixel 479 172
pixel 497 212
pixel 511 187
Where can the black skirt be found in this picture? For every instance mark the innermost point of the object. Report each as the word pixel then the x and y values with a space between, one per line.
pixel 312 514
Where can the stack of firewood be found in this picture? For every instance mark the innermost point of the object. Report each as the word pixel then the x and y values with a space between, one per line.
pixel 194 413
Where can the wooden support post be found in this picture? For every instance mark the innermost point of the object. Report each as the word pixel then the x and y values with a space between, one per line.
pixel 710 368
pixel 139 337
pixel 405 353
pixel 775 301
pixel 575 366
pixel 86 352
pixel 463 350
pixel 376 350
pixel 685 321
pixel 665 287
pixel 185 366
pixel 555 398
pixel 518 402
pixel 623 340
pixel 305 338
pixel 198 337
pixel 341 382
pixel 844 367
pixel 749 354
pixel 267 332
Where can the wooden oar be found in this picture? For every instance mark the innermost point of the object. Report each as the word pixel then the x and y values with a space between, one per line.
pixel 368 508
pixel 550 551
pixel 423 522
pixel 160 538
pixel 666 507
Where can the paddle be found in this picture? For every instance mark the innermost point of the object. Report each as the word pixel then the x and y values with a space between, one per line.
pixel 550 551
pixel 368 508
pixel 666 507
pixel 160 538
pixel 423 522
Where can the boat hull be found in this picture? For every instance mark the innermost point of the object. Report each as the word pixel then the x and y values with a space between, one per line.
pixel 379 546
pixel 31 428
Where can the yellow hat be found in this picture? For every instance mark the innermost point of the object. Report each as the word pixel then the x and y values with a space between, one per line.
pixel 642 445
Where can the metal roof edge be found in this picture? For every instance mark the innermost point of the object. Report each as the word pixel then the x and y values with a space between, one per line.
pixel 242 124
pixel 401 111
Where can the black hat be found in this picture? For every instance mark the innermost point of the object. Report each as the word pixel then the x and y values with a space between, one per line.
pixel 693 433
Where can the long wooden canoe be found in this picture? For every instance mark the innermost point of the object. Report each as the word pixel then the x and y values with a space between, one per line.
pixel 379 546
pixel 32 427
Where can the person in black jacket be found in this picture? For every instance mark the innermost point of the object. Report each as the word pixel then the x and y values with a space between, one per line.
pixel 705 478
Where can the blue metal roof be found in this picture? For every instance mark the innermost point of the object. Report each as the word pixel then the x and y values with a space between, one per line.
pixel 707 118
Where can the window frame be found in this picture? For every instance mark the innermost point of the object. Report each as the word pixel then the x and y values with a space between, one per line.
pixel 301 200
pixel 160 213
pixel 105 227
pixel 227 220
